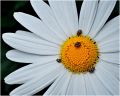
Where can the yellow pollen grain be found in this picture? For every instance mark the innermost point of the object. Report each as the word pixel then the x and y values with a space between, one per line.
pixel 79 59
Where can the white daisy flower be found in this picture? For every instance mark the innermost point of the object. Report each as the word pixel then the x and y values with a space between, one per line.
pixel 79 57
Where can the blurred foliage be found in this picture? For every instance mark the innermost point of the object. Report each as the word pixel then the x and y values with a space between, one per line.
pixel 6 67
pixel 9 22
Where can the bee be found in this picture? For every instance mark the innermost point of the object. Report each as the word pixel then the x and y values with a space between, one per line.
pixel 77 44
pixel 94 42
pixel 92 70
pixel 58 60
pixel 79 32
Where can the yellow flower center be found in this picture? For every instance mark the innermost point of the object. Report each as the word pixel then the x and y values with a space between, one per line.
pixel 79 54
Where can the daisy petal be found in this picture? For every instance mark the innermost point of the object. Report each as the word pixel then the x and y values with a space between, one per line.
pixel 75 87
pixel 110 57
pixel 110 30
pixel 70 86
pixel 79 87
pixel 27 73
pixel 103 12
pixel 47 16
pixel 35 37
pixel 97 86
pixel 88 84
pixel 107 79
pixel 110 67
pixel 18 56
pixel 63 89
pixel 37 84
pixel 51 88
pixel 59 86
pixel 67 18
pixel 87 15
pixel 37 27
pixel 27 44
pixel 109 46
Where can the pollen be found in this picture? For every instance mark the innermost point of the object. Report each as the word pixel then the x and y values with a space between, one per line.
pixel 79 54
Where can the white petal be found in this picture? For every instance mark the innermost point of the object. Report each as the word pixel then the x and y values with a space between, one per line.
pixel 110 67
pixel 112 37
pixel 52 87
pixel 109 31
pixel 27 44
pixel 70 86
pixel 109 46
pixel 36 26
pixel 66 15
pixel 104 10
pixel 22 57
pixel 37 84
pixel 110 57
pixel 47 16
pixel 28 34
pixel 79 87
pixel 88 84
pixel 97 86
pixel 75 89
pixel 30 71
pixel 87 15
pixel 63 89
pixel 35 37
pixel 109 81
pixel 59 87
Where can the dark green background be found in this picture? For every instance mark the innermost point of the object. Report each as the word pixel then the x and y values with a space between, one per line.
pixel 8 24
